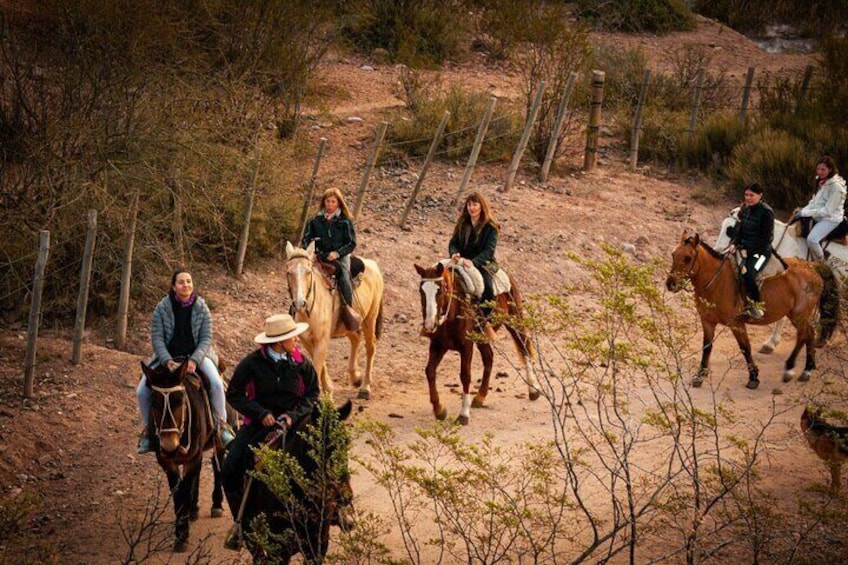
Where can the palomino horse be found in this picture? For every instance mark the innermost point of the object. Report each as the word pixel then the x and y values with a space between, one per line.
pixel 182 418
pixel 787 244
pixel 796 293
pixel 313 301
pixel 316 493
pixel 449 320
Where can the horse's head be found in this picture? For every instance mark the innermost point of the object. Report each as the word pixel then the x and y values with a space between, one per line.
pixel 727 230
pixel 435 289
pixel 299 275
pixel 170 407
pixel 682 261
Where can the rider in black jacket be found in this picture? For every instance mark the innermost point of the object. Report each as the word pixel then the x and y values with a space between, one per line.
pixel 335 239
pixel 753 240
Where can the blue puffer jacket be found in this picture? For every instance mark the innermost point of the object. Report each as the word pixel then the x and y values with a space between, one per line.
pixel 162 330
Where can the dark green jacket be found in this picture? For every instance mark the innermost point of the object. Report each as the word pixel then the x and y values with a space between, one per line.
pixel 756 229
pixel 479 247
pixel 336 235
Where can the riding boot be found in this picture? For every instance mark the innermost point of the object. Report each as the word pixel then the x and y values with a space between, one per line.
pixel 753 306
pixel 145 445
pixel 350 318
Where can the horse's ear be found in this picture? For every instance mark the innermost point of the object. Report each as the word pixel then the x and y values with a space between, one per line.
pixel 420 270
pixel 345 410
pixel 440 268
pixel 696 240
pixel 684 236
pixel 289 249
pixel 310 249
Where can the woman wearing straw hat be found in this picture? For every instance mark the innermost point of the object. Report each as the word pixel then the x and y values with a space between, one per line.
pixel 272 386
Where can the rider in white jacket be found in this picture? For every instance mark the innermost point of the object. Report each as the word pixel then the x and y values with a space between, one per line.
pixel 826 207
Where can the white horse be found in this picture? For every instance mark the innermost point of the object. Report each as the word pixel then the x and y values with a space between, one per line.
pixel 316 303
pixel 787 244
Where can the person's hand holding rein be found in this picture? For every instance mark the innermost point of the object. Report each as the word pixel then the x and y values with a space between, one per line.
pixel 455 258
pixel 731 249
pixel 332 256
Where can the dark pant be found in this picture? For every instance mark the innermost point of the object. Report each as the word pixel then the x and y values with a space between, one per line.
pixel 343 279
pixel 488 292
pixel 750 276
pixel 237 462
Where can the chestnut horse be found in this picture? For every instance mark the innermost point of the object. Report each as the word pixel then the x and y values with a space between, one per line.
pixel 182 419
pixel 796 293
pixel 314 302
pixel 450 321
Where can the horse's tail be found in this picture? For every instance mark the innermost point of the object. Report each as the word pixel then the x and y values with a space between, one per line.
pixel 828 303
pixel 378 329
pixel 522 340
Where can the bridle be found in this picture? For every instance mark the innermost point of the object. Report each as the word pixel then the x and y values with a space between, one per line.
pixel 168 411
pixel 715 275
pixel 438 282
pixel 309 299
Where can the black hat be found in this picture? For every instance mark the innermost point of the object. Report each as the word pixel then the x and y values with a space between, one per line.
pixel 754 187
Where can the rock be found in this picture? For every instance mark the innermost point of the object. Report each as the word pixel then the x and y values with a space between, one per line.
pixel 354 120
pixel 628 248
pixel 366 68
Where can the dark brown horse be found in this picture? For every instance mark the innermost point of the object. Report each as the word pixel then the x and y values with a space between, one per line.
pixel 799 293
pixel 450 321
pixel 182 420
pixel 302 495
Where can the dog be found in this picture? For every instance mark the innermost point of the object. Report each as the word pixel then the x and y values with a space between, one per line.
pixel 828 441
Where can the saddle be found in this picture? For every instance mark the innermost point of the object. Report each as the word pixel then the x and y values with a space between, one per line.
pixel 839 234
pixel 328 271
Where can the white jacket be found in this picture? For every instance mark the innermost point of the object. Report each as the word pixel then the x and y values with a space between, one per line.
pixel 828 202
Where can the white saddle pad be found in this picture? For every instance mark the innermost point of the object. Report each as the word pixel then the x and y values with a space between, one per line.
pixel 472 280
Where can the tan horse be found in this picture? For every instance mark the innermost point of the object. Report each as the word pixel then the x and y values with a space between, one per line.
pixel 796 293
pixel 314 302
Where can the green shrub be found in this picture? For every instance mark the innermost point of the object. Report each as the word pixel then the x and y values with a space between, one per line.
pixel 411 135
pixel 833 91
pixel 663 133
pixel 415 32
pixel 776 160
pixel 624 70
pixel 712 143
pixel 654 16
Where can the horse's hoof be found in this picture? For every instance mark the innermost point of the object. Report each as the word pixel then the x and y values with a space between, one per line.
pixel 364 394
pixel 463 420
pixel 195 514
pixel 788 375
pixel 766 348
pixel 697 381
pixel 217 512
pixel 804 377
pixel 752 384
pixel 180 546
pixel 534 394
pixel 441 414
pixel 356 382
pixel 477 402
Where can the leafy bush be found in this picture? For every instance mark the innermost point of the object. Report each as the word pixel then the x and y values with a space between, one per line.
pixel 654 16
pixel 819 17
pixel 834 82
pixel 624 69
pixel 663 133
pixel 415 32
pixel 712 143
pixel 776 160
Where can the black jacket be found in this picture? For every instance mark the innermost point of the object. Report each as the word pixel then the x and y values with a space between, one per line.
pixel 478 247
pixel 283 387
pixel 336 235
pixel 756 229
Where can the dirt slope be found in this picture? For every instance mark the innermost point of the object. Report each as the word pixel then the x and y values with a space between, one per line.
pixel 73 445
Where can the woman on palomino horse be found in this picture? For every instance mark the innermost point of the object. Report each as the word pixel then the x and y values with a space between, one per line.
pixel 182 327
pixel 475 238
pixel 753 241
pixel 826 207
pixel 335 239
pixel 273 386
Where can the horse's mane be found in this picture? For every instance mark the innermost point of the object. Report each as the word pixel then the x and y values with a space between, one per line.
pixel 709 249
pixel 298 252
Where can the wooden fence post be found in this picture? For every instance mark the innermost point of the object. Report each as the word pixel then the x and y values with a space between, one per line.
pixel 696 102
pixel 636 127
pixel 248 212
pixel 593 131
pixel 363 186
pixel 35 310
pixel 126 276
pixel 525 136
pixel 85 281
pixel 310 188
pixel 746 94
pixel 560 117
pixel 475 150
pixel 805 88
pixel 433 146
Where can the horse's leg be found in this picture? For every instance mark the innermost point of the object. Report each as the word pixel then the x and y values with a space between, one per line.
pixel 706 350
pixel 771 344
pixel 435 357
pixel 370 333
pixel 353 362
pixel 810 363
pixel 218 488
pixel 741 335
pixel 465 357
pixel 320 349
pixel 182 501
pixel 488 357
pixel 194 483
pixel 528 359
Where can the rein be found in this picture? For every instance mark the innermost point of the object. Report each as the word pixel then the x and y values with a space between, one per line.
pixel 714 277
pixel 166 392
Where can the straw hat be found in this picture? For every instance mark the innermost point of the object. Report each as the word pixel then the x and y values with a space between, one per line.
pixel 280 327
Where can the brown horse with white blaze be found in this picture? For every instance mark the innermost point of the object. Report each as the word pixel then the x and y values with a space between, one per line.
pixel 799 293
pixel 450 321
